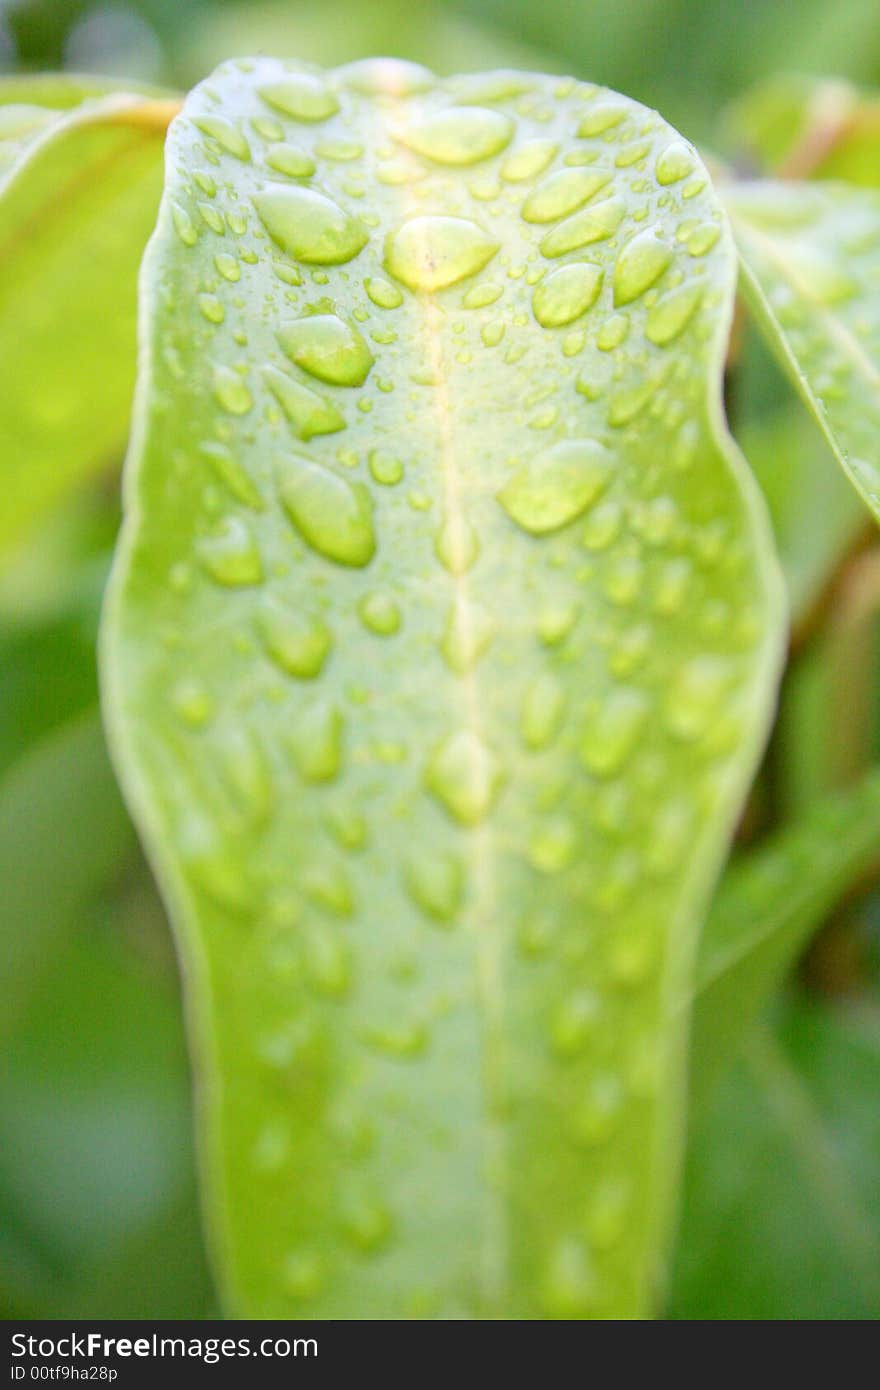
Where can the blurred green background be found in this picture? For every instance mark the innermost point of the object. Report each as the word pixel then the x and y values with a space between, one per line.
pixel 98 1213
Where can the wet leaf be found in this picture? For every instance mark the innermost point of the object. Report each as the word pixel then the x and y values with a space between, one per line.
pixel 438 657
pixel 811 270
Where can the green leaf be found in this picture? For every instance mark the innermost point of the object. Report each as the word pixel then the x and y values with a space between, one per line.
pixel 811 270
pixel 781 1216
pixel 76 209
pixel 768 906
pixel 821 127
pixel 436 718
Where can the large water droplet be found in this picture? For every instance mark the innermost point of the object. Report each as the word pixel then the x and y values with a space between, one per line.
pixel 309 225
pixel 331 513
pixel 302 96
pixel 432 252
pixel 566 294
pixel 561 193
pixel 672 313
pixel 553 488
pixel 308 412
pixel 583 228
pixel 459 134
pixel 464 776
pixel 327 347
pixel 640 265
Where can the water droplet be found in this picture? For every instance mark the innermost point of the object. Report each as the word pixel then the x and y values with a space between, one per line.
pixel 183 224
pixel 386 77
pixel 327 886
pixel 227 266
pixel 192 703
pixel 231 556
pixel 302 1275
pixel 602 116
pixel 583 228
pixel 561 193
pixel 703 238
pixel 479 296
pixel 464 776
pixel 309 225
pixel 232 474
pixel 328 348
pixel 291 160
pixel 367 1224
pixel 569 1287
pixel 556 622
pixel 458 134
pixel 556 486
pixel 383 294
pixel 542 711
pixel 331 513
pixel 299 644
pixel 307 411
pixel 612 333
pixel 380 613
pixel 435 882
pixel 457 544
pixel 640 265
pixel 469 630
pixel 316 742
pixel 607 1213
pixel 231 392
pixel 212 218
pixel 385 468
pixel 211 308
pixel 429 253
pixel 574 1023
pixel 614 728
pixel 695 696
pixel 528 160
pixel 598 1112
pixel 553 845
pixel 301 96
pixel 401 1041
pixel 672 313
pixel 228 136
pixel 673 163
pixel 566 294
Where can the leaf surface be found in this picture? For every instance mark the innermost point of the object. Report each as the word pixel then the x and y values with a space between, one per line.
pixel 76 208
pixel 766 910
pixel 811 272
pixel 439 652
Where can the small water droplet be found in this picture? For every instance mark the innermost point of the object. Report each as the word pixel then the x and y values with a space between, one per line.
pixel 385 467
pixel 183 224
pixel 303 1275
pixel 211 308
pixel 383 294
pixel 574 1023
pixel 583 228
pixel 469 630
pixel 231 391
pixel 231 473
pixel 380 613
pixel 553 845
pixel 542 711
pixel 316 742
pixel 528 160
pixel 602 116
pixel 672 313
pixel 613 730
pixel 367 1224
pixel 673 163
pixel 227 266
pixel 598 1112
pixel 457 544
pixel 569 1288
pixel 297 643
pixel 192 703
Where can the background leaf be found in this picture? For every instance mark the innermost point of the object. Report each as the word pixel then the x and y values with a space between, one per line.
pixel 75 212
pixel 768 906
pixel 781 1217
pixel 811 272
pixel 438 658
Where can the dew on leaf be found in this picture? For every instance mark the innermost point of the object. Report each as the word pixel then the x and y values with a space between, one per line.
pixel 435 882
pixel 561 193
pixel 301 96
pixel 297 643
pixel 310 226
pixel 379 613
pixel 459 134
pixel 528 160
pixel 231 391
pixel 290 159
pixel 640 265
pixel 331 513
pixel 228 136
pixel 308 411
pixel 328 348
pixel 231 556
pixel 432 252
pixel 315 742
pixel 464 776
pixel 584 228
pixel 555 487
pixel 566 294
